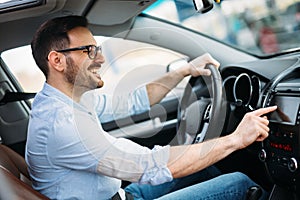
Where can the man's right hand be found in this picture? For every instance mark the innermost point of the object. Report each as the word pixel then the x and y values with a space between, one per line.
pixel 253 127
pixel 187 159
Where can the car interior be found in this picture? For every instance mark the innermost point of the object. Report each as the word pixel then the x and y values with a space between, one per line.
pixel 207 107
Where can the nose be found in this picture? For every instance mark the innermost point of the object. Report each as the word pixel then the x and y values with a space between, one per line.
pixel 100 57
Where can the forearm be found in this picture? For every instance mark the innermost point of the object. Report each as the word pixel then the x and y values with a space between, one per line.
pixel 185 160
pixel 159 88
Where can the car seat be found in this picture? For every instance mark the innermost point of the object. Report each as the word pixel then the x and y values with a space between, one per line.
pixel 14 177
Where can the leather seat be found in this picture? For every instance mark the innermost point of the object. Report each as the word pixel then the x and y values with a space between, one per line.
pixel 14 177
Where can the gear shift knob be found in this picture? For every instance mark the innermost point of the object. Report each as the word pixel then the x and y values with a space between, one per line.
pixel 254 193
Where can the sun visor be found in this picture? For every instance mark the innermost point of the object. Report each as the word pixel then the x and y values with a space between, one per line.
pixel 20 9
pixel 113 12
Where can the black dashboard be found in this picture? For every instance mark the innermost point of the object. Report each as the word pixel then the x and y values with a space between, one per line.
pixel 263 83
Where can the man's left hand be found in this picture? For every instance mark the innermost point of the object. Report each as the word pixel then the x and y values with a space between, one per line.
pixel 197 65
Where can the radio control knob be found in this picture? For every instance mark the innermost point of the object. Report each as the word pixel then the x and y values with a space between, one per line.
pixel 262 155
pixel 293 164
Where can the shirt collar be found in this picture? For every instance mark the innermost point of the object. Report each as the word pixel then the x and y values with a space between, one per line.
pixel 50 91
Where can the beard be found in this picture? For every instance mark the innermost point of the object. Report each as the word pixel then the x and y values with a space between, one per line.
pixel 71 71
pixel 81 78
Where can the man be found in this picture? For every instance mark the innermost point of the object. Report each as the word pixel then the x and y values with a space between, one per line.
pixel 70 156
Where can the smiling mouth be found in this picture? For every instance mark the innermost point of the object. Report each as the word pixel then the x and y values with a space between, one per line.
pixel 94 69
pixel 95 72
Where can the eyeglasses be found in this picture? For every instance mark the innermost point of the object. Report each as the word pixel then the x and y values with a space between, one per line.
pixel 91 50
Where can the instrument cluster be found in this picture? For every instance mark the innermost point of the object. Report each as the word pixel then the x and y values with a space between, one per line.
pixel 243 90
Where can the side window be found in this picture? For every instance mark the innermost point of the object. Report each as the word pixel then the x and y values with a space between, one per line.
pixel 22 65
pixel 128 65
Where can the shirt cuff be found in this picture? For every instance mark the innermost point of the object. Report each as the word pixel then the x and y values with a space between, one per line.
pixel 159 174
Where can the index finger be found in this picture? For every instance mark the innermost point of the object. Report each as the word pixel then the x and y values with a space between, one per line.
pixel 211 60
pixel 214 62
pixel 266 110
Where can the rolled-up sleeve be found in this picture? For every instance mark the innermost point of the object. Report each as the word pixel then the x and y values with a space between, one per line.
pixel 129 161
pixel 117 157
pixel 160 173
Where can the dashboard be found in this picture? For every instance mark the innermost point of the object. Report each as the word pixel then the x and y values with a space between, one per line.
pixel 257 84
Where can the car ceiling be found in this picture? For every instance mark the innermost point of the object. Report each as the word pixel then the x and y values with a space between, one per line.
pixel 106 17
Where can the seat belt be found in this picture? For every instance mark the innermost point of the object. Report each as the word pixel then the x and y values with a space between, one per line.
pixel 16 96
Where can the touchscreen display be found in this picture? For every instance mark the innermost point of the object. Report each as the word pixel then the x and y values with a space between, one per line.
pixel 287 109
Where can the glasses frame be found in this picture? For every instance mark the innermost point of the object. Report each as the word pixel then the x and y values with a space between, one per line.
pixel 87 48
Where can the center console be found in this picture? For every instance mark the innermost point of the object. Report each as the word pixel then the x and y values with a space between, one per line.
pixel 280 151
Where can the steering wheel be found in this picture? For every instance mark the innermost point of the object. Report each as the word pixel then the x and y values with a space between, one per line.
pixel 201 118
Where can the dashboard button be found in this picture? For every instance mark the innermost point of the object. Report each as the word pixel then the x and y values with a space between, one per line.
pixel 293 164
pixel 262 155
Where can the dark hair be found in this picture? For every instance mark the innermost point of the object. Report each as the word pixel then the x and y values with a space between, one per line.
pixel 53 35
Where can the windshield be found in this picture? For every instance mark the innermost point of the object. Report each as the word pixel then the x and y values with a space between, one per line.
pixel 259 27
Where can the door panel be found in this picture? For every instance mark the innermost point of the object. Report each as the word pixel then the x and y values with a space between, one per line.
pixel 13 116
pixel 158 126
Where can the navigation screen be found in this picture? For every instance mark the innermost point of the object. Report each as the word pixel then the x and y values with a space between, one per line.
pixel 287 108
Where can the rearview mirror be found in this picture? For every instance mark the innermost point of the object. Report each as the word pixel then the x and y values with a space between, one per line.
pixel 203 6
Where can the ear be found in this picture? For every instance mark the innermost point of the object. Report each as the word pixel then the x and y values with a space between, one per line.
pixel 57 60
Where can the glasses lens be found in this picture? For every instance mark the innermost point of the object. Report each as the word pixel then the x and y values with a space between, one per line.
pixel 92 52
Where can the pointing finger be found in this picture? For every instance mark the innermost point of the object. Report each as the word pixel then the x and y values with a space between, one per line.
pixel 263 111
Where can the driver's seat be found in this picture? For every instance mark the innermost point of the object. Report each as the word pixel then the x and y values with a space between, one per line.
pixel 14 177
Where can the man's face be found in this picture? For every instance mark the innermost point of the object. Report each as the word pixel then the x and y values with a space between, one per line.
pixel 81 71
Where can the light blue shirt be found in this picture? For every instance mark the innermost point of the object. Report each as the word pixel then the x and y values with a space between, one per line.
pixel 70 156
